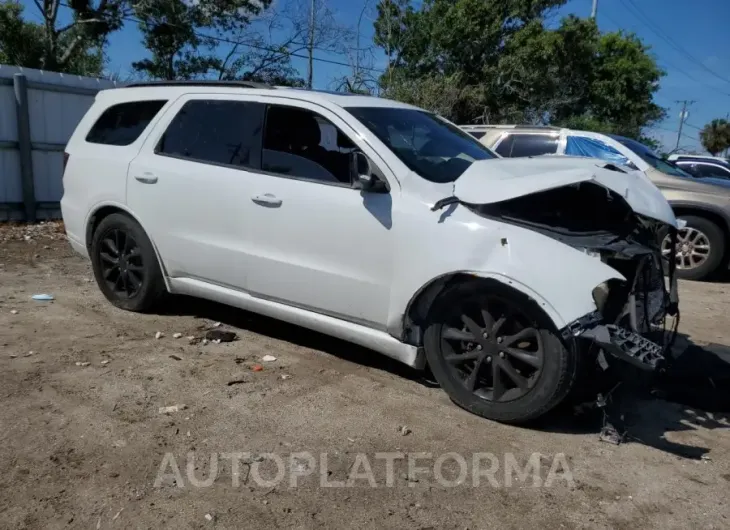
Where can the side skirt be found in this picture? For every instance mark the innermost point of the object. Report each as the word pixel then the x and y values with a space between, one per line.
pixel 376 340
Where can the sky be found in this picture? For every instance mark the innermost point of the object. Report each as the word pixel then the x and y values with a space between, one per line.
pixel 690 41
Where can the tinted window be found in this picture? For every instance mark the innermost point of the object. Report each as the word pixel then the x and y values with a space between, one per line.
pixel 122 124
pixel 430 146
pixel 705 170
pixel 300 143
pixel 534 145
pixel 221 132
pixel 648 156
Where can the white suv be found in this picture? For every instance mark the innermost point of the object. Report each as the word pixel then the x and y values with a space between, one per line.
pixel 376 222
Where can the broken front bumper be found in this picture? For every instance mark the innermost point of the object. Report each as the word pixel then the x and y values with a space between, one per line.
pixel 621 343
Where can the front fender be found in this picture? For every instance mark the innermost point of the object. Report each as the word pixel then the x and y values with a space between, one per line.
pixel 558 277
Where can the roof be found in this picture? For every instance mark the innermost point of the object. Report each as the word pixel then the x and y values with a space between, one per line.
pixel 173 89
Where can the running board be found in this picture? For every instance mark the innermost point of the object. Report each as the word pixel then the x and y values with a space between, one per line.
pixel 376 340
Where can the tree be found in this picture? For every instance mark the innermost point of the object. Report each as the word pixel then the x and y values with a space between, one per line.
pixel 508 66
pixel 715 136
pixel 75 47
pixel 183 35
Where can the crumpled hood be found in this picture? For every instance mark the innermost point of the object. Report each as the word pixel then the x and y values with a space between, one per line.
pixel 497 180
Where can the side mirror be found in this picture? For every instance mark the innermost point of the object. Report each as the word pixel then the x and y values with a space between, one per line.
pixel 362 173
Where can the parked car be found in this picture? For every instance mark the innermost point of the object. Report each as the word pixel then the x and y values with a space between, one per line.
pixel 702 203
pixel 707 167
pixel 375 222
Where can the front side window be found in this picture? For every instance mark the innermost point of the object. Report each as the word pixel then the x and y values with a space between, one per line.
pixel 217 132
pixel 432 147
pixel 505 146
pixel 302 144
pixel 533 145
pixel 122 124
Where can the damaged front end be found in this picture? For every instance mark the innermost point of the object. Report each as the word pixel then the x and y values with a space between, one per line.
pixel 632 314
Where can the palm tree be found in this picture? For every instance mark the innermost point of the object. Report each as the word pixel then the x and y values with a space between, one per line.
pixel 715 136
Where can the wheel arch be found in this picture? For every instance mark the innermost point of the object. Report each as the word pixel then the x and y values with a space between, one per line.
pixel 417 310
pixel 104 210
pixel 716 215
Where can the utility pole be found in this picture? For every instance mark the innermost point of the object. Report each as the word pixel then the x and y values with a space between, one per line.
pixel 310 46
pixel 594 11
pixel 682 118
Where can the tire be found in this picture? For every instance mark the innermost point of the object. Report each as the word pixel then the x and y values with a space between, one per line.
pixel 552 383
pixel 706 233
pixel 136 283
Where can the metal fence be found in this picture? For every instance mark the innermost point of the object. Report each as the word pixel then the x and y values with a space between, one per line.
pixel 38 113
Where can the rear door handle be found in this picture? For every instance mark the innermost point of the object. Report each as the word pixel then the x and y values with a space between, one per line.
pixel 267 199
pixel 146 178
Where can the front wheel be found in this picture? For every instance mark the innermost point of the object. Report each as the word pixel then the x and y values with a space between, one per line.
pixel 494 353
pixel 700 248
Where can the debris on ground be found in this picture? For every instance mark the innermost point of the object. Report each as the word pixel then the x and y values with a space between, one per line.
pixel 13 355
pixel 404 431
pixel 172 408
pixel 257 368
pixel 176 335
pixel 220 335
pixel 53 230
pixel 285 376
pixel 205 341
pixel 13 311
pixel 42 297
pixel 194 340
pixel 82 364
pixel 240 360
pixel 176 357
pixel 216 325
pixel 159 335
pixel 105 361
pixel 268 358
pixel 235 382
pixel 208 517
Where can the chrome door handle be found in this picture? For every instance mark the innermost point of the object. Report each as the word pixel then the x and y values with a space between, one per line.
pixel 146 178
pixel 267 199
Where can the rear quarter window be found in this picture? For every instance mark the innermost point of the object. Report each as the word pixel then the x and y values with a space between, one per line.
pixel 123 123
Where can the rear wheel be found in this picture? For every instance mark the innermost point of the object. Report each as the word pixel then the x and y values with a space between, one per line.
pixel 125 264
pixel 495 355
pixel 700 249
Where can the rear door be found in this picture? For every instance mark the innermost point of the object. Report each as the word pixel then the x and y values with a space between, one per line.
pixel 189 188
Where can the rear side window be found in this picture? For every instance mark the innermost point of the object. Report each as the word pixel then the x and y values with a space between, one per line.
pixel 123 123
pixel 534 145
pixel 216 131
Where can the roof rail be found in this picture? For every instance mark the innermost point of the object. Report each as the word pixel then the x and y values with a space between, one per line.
pixel 200 82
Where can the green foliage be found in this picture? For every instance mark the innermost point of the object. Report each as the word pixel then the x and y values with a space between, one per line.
pixel 715 136
pixel 75 48
pixel 501 64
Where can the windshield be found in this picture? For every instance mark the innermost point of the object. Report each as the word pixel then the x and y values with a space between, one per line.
pixel 435 149
pixel 648 156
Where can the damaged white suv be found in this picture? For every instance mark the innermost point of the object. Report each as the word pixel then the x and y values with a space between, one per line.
pixel 376 222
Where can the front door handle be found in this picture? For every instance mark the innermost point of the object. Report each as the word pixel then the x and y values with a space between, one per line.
pixel 146 178
pixel 267 199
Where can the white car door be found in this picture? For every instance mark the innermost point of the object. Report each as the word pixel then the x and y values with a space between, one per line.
pixel 188 186
pixel 315 241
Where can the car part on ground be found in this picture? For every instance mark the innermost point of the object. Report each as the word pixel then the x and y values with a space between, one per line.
pixel 374 222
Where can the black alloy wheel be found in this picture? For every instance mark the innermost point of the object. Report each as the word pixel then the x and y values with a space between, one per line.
pixel 494 355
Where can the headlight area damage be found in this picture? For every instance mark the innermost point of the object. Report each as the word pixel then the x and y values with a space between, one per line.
pixel 630 322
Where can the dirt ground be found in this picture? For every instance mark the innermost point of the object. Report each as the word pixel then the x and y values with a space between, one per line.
pixel 82 445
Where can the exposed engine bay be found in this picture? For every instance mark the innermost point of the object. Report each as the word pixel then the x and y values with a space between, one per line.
pixel 631 318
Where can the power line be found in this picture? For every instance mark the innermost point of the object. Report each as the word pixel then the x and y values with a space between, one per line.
pixel 659 32
pixel 634 10
pixel 256 46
